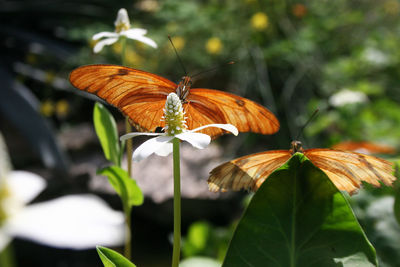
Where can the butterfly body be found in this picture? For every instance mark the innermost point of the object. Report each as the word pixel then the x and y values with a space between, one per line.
pixel 183 88
pixel 141 96
pixel 347 170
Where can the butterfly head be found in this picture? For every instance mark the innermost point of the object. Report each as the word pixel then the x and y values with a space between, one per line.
pixel 296 146
pixel 183 88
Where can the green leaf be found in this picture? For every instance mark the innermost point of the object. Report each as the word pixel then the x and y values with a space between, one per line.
pixel 106 130
pixel 111 258
pixel 299 218
pixel 124 185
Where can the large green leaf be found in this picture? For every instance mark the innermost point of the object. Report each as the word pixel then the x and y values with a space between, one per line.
pixel 124 185
pixel 111 258
pixel 299 218
pixel 106 130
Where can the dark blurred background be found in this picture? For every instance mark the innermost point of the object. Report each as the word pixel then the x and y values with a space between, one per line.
pixel 293 57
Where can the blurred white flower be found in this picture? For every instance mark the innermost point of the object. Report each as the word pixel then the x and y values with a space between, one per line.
pixel 122 28
pixel 74 221
pixel 346 96
pixel 375 56
pixel 175 127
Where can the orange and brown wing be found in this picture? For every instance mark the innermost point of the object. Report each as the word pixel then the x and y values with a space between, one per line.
pixel 137 94
pixel 348 169
pixel 365 147
pixel 205 106
pixel 247 172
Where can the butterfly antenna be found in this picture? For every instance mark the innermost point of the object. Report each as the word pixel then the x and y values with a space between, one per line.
pixel 305 124
pixel 177 55
pixel 213 68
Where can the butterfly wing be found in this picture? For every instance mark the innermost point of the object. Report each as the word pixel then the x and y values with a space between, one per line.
pixel 137 94
pixel 247 172
pixel 205 106
pixel 348 169
pixel 365 147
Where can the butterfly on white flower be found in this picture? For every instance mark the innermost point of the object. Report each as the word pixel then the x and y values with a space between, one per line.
pixel 175 127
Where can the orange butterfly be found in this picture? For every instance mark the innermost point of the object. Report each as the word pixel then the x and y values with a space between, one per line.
pixel 141 96
pixel 365 147
pixel 345 169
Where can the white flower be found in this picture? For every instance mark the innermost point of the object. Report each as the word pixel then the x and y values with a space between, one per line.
pixel 122 28
pixel 376 56
pixel 346 96
pixel 75 221
pixel 175 128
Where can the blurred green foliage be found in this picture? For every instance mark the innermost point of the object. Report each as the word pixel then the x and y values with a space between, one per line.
pixel 291 56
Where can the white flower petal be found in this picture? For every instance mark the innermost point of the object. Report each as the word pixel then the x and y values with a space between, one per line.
pixel 99 46
pixel 139 37
pixel 77 222
pixel 132 33
pixel 25 186
pixel 164 150
pixel 150 146
pixel 4 239
pixel 226 127
pixel 100 35
pixel 131 135
pixel 198 140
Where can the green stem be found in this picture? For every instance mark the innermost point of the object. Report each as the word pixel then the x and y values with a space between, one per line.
pixel 128 129
pixel 7 256
pixel 127 249
pixel 177 204
pixel 293 226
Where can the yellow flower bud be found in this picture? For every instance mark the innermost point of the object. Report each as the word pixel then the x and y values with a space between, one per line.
pixel 259 21
pixel 47 108
pixel 214 45
pixel 179 42
pixel 62 108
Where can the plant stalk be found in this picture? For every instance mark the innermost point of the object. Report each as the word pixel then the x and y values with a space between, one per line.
pixel 128 129
pixel 127 248
pixel 177 204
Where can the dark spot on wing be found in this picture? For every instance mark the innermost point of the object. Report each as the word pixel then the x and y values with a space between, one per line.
pixel 243 162
pixel 122 72
pixel 159 130
pixel 239 102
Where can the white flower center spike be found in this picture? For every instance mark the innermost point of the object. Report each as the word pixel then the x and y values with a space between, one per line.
pixel 122 22
pixel 174 116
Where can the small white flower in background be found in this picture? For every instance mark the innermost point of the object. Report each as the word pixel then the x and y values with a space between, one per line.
pixel 74 221
pixel 175 127
pixel 122 28
pixel 346 96
pixel 375 56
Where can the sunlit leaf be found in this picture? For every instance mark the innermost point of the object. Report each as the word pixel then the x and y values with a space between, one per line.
pixel 124 185
pixel 111 258
pixel 299 218
pixel 106 130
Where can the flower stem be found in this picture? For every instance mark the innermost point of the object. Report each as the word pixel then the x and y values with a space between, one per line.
pixel 128 129
pixel 177 204
pixel 127 249
pixel 7 256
